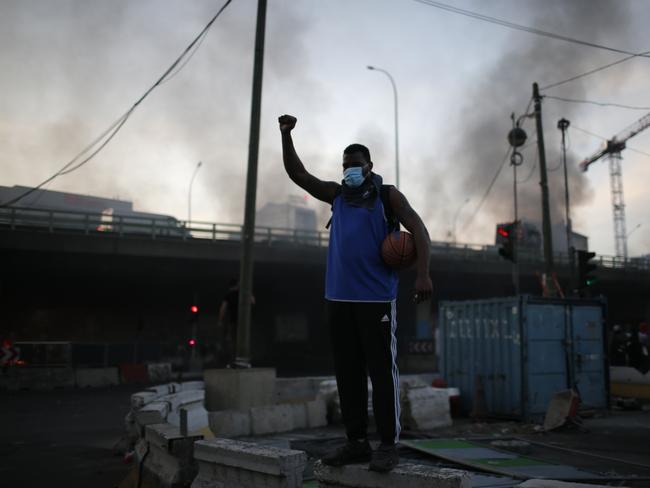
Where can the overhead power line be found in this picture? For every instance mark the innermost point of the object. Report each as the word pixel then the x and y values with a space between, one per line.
pixel 524 28
pixel 602 138
pixel 600 104
pixel 489 188
pixel 469 220
pixel 595 70
pixel 105 137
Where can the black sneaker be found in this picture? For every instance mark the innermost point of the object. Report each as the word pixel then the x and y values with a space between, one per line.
pixel 384 458
pixel 351 452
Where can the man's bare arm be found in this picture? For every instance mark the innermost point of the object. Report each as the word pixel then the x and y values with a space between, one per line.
pixel 322 190
pixel 413 223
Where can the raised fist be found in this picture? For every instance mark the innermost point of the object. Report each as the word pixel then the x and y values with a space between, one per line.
pixel 287 123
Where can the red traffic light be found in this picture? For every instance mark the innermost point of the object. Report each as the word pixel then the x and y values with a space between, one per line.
pixel 194 309
pixel 503 232
pixel 192 342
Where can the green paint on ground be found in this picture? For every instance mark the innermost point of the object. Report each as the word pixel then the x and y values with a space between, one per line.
pixel 442 444
pixel 512 463
pixel 310 484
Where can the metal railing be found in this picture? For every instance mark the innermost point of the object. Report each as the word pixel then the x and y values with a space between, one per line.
pixel 167 227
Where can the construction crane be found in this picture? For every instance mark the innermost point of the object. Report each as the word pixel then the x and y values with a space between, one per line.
pixel 612 149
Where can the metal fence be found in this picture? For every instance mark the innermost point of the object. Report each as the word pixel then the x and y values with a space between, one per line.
pixel 167 227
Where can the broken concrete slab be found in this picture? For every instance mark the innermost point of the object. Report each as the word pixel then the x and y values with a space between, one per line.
pixel 405 475
pixel 238 389
pixel 563 406
pixel 230 423
pixel 425 408
pixel 235 464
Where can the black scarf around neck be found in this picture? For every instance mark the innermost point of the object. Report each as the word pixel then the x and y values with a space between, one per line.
pixel 364 195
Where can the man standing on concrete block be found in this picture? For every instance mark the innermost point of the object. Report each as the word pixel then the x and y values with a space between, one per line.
pixel 361 292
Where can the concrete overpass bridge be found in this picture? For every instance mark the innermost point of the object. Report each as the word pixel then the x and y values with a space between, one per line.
pixel 85 278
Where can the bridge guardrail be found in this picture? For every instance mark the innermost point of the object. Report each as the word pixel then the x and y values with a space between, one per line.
pixel 54 221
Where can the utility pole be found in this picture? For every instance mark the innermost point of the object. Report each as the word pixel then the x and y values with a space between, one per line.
pixel 563 125
pixel 549 286
pixel 516 137
pixel 248 235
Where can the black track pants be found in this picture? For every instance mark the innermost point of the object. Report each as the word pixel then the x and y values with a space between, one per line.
pixel 364 343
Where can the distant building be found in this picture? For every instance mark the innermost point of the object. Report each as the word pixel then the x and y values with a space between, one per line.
pixel 65 201
pixel 532 240
pixel 103 214
pixel 580 241
pixel 293 214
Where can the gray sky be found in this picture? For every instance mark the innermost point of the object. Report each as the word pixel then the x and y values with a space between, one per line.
pixel 70 68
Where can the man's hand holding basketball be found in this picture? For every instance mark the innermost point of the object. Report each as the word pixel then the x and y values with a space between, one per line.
pixel 287 123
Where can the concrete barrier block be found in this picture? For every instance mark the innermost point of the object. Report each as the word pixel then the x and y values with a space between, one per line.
pixel 197 417
pixel 271 419
pixel 163 389
pixel 96 377
pixel 403 476
pixel 298 415
pixel 142 398
pixel 238 389
pixel 153 413
pixel 169 461
pixel 182 398
pixel 234 464
pixel 37 378
pixel 230 423
pixel 316 413
pixel 192 385
pixel 425 408
pixel 295 390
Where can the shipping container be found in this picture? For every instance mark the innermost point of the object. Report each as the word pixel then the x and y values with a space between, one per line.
pixel 510 355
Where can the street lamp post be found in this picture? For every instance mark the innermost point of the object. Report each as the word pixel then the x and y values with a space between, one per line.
pixel 392 82
pixel 456 216
pixel 189 194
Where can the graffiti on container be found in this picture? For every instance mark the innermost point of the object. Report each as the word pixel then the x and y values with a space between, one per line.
pixel 485 328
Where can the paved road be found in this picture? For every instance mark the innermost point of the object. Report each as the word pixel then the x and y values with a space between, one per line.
pixel 62 437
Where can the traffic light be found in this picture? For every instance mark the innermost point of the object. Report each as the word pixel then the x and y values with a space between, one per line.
pixel 586 269
pixel 194 314
pixel 191 342
pixel 506 240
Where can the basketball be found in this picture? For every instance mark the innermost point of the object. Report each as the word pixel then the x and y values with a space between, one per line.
pixel 398 250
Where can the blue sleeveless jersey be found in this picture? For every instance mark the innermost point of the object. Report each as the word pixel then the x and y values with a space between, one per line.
pixel 355 270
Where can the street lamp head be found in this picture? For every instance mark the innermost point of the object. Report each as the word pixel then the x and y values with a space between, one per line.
pixel 370 67
pixel 200 164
